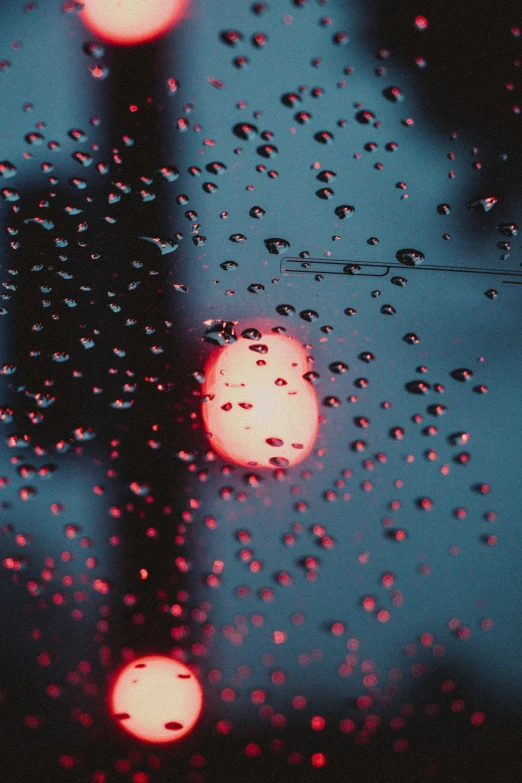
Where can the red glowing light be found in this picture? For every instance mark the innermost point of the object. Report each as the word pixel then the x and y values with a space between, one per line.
pixel 129 22
pixel 157 699
pixel 259 409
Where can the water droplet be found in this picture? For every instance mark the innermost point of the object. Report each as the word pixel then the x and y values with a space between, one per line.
pixel 276 442
pixel 251 334
pixel 291 99
pixel 10 194
pixel 324 193
pixel 259 40
pixel 238 238
pixel 331 402
pixel 436 410
pixel 231 37
pixel 221 333
pixel 338 367
pixel 482 203
pixel 443 209
pixel 34 138
pixel 393 94
pixel 245 130
pixel 47 224
pixel 267 150
pixel 285 309
pixel 276 245
pixel 163 244
pixel 256 288
pixel 170 173
pixel 324 137
pixel 508 229
pixel 400 281
pixel 326 175
pixel 98 71
pixel 60 356
pixel 309 315
pixel 462 374
pixel 7 169
pixel 209 187
pixel 302 117
pixel 93 49
pixel 344 211
pixel 216 168
pixel 418 387
pixel 83 158
pixel 411 338
pixel 463 458
pixel 388 309
pixel 197 375
pixel 365 116
pixel 350 311
pixel 257 212
pixel 410 257
pixel 227 265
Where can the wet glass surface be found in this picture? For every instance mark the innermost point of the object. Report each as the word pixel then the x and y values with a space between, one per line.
pixel 260 376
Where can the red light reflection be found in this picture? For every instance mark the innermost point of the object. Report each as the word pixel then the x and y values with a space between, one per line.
pixel 128 22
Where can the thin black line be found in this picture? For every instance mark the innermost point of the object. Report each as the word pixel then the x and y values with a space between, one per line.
pixel 377 265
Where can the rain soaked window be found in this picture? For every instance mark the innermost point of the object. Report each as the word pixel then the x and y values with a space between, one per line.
pixel 260 391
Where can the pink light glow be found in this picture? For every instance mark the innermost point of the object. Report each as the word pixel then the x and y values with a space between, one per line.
pixel 128 22
pixel 262 412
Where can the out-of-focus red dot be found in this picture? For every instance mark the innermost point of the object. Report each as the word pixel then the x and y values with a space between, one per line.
pixel 477 718
pixel 252 750
pixel 421 23
pixel 318 760
pixel 317 723
pixel 369 603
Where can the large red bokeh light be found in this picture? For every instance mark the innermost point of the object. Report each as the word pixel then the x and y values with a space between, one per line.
pixel 130 22
pixel 157 699
pixel 259 410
